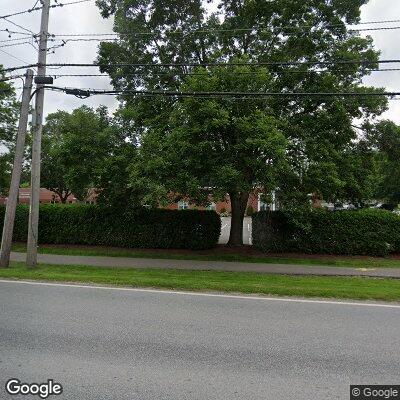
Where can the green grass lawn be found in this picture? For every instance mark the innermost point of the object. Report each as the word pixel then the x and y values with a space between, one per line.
pixel 239 282
pixel 352 262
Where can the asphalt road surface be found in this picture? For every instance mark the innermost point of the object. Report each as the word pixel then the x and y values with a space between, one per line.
pixel 226 228
pixel 103 343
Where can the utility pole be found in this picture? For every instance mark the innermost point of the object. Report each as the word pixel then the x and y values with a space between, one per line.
pixel 33 228
pixel 13 194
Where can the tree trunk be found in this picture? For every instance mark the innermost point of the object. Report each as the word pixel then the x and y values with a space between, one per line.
pixel 238 207
pixel 63 197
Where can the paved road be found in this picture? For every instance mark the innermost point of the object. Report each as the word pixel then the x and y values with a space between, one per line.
pixel 103 344
pixel 226 228
pixel 290 269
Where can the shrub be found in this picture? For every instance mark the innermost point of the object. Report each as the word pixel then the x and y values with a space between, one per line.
pixel 144 228
pixel 365 232
pixel 250 211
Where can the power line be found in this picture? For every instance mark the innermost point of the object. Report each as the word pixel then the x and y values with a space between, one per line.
pixel 10 78
pixel 18 26
pixel 20 12
pixel 29 10
pixel 11 55
pixel 140 73
pixel 259 28
pixel 388 21
pixel 37 1
pixel 211 64
pixel 14 33
pixel 14 44
pixel 106 38
pixel 97 36
pixel 69 3
pixel 382 28
pixel 14 40
pixel 89 92
pixel 174 74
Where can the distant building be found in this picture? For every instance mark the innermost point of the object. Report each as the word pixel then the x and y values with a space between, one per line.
pixel 255 202
pixel 46 197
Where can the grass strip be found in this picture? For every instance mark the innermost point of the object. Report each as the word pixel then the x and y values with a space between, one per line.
pixel 240 282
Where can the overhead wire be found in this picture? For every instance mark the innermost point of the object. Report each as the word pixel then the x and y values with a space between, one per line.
pixel 250 29
pixel 15 44
pixel 214 64
pixel 98 36
pixel 29 10
pixel 19 26
pixel 171 65
pixel 13 32
pixel 105 37
pixel 167 93
pixel 173 74
pixel 15 39
pixel 11 55
pixel 10 78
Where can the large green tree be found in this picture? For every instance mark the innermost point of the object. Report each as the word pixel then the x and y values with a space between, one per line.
pixel 74 146
pixel 8 126
pixel 215 146
pixel 88 150
pixel 316 129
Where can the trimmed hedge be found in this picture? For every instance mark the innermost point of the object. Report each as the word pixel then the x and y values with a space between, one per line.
pixel 364 232
pixel 141 228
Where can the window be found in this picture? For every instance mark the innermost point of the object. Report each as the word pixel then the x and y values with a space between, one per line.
pixel 262 204
pixel 267 202
pixel 212 206
pixel 183 205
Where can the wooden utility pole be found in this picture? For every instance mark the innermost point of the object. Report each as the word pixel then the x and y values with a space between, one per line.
pixel 33 228
pixel 13 194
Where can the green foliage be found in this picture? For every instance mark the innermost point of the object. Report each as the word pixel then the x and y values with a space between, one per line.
pixel 250 211
pixel 227 145
pixel 193 143
pixel 5 173
pixel 9 109
pixel 8 127
pixel 79 151
pixel 365 232
pixel 384 139
pixel 105 226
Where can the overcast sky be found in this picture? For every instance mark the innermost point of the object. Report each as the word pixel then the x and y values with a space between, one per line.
pixel 85 18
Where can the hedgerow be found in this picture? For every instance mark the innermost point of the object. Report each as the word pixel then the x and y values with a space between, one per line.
pixel 364 232
pixel 143 228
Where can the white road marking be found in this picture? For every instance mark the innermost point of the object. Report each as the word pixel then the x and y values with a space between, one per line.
pixel 224 227
pixel 258 298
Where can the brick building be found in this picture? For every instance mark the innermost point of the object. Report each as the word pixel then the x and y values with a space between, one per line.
pixel 46 197
pixel 49 197
pixel 255 202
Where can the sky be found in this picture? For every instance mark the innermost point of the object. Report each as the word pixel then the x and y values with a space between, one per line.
pixel 85 18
